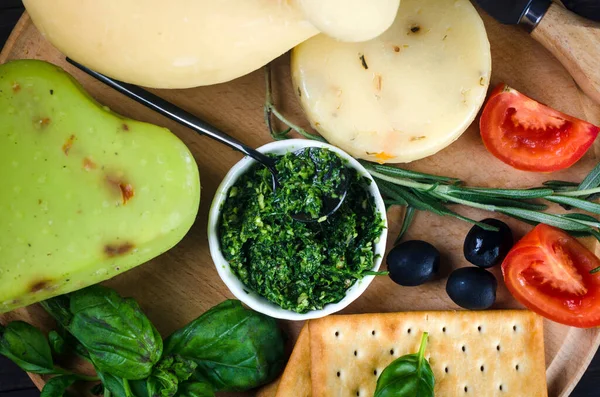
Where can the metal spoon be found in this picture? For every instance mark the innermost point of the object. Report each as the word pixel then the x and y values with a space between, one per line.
pixel 169 110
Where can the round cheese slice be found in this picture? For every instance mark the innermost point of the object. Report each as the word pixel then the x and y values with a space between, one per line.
pixel 404 95
pixel 351 20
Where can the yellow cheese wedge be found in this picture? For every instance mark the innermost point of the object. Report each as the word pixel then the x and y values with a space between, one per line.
pixel 404 95
pixel 351 20
pixel 175 43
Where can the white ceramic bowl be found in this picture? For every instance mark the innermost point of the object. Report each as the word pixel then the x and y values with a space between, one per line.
pixel 243 293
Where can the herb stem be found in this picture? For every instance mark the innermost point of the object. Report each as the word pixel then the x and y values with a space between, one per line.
pixel 577 193
pixel 127 388
pixel 270 109
pixel 62 371
pixel 468 203
pixel 422 348
pixel 402 181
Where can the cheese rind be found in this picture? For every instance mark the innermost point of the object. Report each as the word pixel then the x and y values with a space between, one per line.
pixel 351 20
pixel 406 94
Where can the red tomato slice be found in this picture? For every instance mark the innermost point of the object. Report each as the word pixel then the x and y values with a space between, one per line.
pixel 549 272
pixel 530 136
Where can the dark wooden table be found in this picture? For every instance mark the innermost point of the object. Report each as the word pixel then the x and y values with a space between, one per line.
pixel 15 383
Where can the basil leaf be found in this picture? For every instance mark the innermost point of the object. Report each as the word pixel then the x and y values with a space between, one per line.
pixel 162 383
pixel 27 347
pixel 195 389
pixel 236 349
pixel 57 343
pixel 182 368
pixel 410 375
pixel 58 307
pixel 57 386
pixel 165 378
pixel 118 336
pixel 119 387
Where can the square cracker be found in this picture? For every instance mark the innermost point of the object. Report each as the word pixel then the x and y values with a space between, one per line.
pixel 295 380
pixel 489 353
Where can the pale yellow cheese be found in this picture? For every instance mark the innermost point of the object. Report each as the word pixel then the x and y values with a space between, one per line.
pixel 351 20
pixel 174 43
pixel 404 95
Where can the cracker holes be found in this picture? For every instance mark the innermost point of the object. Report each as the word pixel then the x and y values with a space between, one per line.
pixel 446 369
pixel 408 331
pixel 373 332
pixel 515 328
pixel 500 387
pixel 339 374
pixel 498 347
pixel 464 348
pixel 517 367
pixel 337 334
pixel 444 329
pixel 391 352
pixel 479 328
pixel 466 389
pixel 375 372
pixel 355 353
pixel 358 392
pixel 482 368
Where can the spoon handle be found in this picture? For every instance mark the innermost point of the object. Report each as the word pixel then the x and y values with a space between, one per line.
pixel 175 113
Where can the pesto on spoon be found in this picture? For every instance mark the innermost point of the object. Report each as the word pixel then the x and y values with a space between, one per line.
pixel 299 266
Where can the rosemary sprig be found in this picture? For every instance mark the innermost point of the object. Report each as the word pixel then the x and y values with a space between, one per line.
pixel 511 202
pixel 592 180
pixel 419 191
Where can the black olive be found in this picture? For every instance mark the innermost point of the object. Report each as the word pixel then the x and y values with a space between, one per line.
pixel 486 248
pixel 472 288
pixel 413 263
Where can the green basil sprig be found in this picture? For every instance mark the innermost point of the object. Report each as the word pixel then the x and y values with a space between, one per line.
pixel 57 342
pixel 235 349
pixel 228 348
pixel 117 335
pixel 165 378
pixel 26 346
pixel 409 375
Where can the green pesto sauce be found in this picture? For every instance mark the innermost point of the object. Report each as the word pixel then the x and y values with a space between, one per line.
pixel 299 266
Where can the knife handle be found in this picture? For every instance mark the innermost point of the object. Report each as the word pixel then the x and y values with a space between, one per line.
pixel 575 42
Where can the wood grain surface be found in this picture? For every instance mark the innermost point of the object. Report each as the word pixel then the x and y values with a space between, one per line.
pixel 182 283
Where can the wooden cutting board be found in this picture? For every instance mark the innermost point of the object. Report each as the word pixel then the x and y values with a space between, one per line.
pixel 182 283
